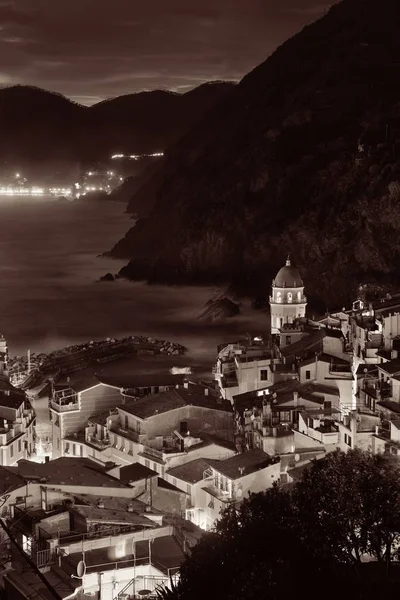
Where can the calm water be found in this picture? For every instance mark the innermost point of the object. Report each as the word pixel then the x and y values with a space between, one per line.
pixel 49 296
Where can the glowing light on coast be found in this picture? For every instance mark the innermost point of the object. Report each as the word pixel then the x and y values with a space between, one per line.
pixel 137 156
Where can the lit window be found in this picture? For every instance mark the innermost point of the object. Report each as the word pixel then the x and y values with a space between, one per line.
pixel 278 296
pixel 290 297
pixel 299 296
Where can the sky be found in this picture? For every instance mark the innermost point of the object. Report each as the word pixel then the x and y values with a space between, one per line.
pixel 90 50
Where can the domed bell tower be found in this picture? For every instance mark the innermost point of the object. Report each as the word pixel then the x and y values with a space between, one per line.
pixel 288 301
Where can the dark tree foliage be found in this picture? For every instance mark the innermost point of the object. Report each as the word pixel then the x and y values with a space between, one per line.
pixel 335 533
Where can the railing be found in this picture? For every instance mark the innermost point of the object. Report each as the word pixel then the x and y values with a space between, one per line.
pixel 43 558
pixel 64 407
pixel 71 537
pixel 99 443
pixel 125 433
pixel 151 583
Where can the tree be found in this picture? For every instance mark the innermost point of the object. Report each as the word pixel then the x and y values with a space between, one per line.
pixel 317 534
pixel 349 505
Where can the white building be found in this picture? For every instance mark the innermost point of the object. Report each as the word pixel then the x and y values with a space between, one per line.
pixel 287 301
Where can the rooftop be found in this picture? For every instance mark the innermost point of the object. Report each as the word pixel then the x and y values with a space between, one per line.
pixel 176 398
pixel 10 397
pixel 135 472
pixel 78 381
pixel 67 471
pixel 142 381
pixel 390 405
pixel 107 515
pixel 242 464
pixel 391 367
pixel 191 472
pixel 10 481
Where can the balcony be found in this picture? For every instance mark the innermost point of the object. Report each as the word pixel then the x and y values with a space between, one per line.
pixel 97 441
pixel 128 434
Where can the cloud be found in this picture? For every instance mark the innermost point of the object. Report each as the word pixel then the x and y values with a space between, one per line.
pixel 97 48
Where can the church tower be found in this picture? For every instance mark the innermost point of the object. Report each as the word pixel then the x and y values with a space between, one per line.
pixel 287 302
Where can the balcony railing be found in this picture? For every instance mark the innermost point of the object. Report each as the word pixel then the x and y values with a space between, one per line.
pixel 64 407
pixel 125 433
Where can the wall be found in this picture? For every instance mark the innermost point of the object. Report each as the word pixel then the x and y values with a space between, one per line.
pixel 112 582
pixel 211 421
pixel 258 481
pixel 333 346
pixel 118 546
pixel 169 501
pixel 302 440
pixel 394 433
pixel 56 523
pixel 92 402
pixel 277 445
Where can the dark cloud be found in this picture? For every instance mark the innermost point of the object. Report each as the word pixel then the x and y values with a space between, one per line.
pixel 91 49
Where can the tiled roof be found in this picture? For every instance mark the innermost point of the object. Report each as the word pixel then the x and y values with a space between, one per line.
pixel 68 471
pixel 135 472
pixel 309 343
pixel 191 472
pixel 166 485
pixel 242 464
pixel 367 367
pixel 390 405
pixel 10 480
pixel 142 381
pixel 390 367
pixel 105 515
pixel 10 397
pixel 175 398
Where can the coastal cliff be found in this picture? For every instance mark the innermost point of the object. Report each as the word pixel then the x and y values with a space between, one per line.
pixel 303 156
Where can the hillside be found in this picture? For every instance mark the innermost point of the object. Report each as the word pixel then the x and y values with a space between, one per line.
pixel 302 157
pixel 39 127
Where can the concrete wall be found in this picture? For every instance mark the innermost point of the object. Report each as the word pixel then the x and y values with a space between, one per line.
pixel 277 445
pixel 212 421
pixel 169 501
pixel 257 481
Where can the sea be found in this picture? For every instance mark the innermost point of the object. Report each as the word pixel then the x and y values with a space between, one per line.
pixel 51 297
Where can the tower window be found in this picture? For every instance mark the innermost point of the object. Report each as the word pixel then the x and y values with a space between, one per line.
pixel 290 297
pixel 299 296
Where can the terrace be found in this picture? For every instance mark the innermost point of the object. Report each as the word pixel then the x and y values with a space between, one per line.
pixel 65 400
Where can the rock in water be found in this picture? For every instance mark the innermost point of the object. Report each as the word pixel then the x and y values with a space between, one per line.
pixel 215 310
pixel 107 277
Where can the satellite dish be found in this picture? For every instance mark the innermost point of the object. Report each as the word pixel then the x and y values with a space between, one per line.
pixel 297 457
pixel 81 569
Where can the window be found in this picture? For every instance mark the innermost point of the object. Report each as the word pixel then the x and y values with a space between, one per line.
pixel 264 375
pixel 73 448
pixel 137 426
pixel 290 297
pixel 347 439
pixel 188 488
pixel 288 339
pixel 12 450
pixel 298 296
pixel 19 446
pixel 308 374
pixel 147 463
pixel 327 407
pixel 285 416
pixel 278 296
pixel 183 428
pixel 156 389
pixel 126 422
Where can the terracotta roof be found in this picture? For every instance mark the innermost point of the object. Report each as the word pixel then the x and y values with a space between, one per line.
pixel 309 343
pixel 166 485
pixel 242 464
pixel 390 367
pixel 10 397
pixel 106 515
pixel 390 405
pixel 175 398
pixel 10 481
pixel 191 472
pixel 142 381
pixel 135 472
pixel 68 471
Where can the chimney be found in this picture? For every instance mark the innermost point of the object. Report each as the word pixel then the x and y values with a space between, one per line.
pixel 274 432
pixel 186 384
pixel 295 398
pixel 206 391
pixel 100 504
